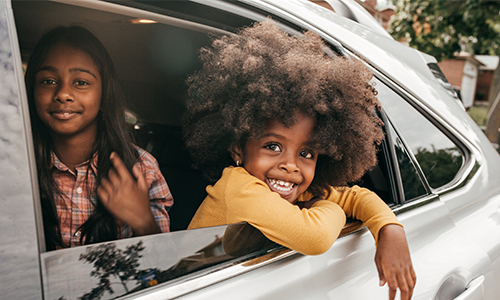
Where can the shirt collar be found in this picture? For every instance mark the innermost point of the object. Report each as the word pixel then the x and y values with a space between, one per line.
pixel 58 164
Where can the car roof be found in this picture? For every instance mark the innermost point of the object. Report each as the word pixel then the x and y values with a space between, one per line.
pixel 403 65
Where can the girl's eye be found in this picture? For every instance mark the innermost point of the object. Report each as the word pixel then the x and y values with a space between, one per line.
pixel 81 82
pixel 273 147
pixel 48 81
pixel 307 154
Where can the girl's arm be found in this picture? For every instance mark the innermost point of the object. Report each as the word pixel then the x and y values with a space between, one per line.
pixel 394 262
pixel 364 205
pixel 309 231
pixel 392 258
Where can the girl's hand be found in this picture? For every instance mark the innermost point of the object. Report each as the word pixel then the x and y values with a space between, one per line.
pixel 127 199
pixel 394 262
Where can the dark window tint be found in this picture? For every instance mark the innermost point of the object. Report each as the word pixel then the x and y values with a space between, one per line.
pixel 439 158
pixel 413 186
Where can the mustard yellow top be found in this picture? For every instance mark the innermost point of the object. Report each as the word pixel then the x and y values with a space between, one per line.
pixel 240 197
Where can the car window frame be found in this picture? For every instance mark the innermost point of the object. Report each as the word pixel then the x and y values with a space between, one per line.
pixel 472 157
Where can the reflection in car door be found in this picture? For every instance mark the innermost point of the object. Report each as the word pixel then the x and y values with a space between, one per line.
pixel 19 263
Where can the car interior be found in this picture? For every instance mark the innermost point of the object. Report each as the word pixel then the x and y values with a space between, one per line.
pixel 155 48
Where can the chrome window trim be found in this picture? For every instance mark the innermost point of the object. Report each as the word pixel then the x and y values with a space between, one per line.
pixel 204 278
pixel 16 54
pixel 19 252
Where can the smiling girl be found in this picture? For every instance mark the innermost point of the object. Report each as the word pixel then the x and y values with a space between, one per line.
pixel 83 149
pixel 282 128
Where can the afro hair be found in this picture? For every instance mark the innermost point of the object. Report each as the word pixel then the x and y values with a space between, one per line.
pixel 263 74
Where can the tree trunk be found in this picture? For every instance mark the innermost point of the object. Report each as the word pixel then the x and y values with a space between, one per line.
pixel 493 117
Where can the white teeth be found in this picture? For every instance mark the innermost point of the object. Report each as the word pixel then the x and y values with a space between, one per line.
pixel 280 185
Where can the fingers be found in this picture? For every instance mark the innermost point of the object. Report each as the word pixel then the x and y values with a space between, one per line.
pixel 392 282
pixel 380 271
pixel 411 282
pixel 392 293
pixel 141 180
pixel 405 283
pixel 118 166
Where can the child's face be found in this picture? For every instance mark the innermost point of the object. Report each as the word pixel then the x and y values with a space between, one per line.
pixel 282 157
pixel 68 93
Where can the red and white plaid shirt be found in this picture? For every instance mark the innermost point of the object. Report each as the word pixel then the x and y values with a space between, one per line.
pixel 76 200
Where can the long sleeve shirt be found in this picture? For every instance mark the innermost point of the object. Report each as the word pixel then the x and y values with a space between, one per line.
pixel 241 197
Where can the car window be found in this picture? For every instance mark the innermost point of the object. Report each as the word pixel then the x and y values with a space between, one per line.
pixel 439 158
pixel 413 187
pixel 131 265
pixel 154 51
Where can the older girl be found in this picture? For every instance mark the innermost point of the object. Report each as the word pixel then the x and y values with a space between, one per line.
pixel 83 150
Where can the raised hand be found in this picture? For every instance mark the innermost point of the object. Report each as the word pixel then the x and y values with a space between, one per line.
pixel 127 198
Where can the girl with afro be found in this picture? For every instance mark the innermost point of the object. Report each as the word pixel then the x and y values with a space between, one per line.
pixel 282 128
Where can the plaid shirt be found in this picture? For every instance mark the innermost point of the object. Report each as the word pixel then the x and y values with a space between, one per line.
pixel 75 203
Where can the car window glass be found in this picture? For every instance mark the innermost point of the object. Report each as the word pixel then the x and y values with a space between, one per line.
pixel 125 266
pixel 413 187
pixel 439 158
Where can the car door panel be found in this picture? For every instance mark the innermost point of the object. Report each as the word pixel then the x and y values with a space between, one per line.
pixel 19 264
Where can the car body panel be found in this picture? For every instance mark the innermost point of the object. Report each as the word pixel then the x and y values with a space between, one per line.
pixel 19 253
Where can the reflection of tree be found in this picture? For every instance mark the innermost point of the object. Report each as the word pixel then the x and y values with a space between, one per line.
pixel 109 261
pixel 439 166
pixel 244 241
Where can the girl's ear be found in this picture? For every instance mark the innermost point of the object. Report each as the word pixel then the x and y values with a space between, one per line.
pixel 237 155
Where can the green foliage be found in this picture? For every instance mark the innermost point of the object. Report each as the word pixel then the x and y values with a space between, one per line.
pixel 439 165
pixel 442 27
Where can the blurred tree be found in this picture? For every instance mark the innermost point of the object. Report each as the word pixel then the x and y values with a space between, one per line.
pixel 443 27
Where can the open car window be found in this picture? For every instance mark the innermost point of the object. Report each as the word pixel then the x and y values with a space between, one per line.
pixel 154 46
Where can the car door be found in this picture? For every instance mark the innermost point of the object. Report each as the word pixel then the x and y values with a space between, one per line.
pixel 19 247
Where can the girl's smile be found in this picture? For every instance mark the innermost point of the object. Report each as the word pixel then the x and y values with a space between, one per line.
pixel 282 157
pixel 67 93
pixel 64 114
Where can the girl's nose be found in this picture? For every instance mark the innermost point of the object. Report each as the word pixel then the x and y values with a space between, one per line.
pixel 289 165
pixel 64 93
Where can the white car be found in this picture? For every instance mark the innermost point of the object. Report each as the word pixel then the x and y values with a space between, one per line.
pixel 436 170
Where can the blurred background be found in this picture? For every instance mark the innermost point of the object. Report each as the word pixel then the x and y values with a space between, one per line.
pixel 464 37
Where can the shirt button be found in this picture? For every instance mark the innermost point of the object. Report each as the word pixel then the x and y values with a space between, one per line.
pixel 79 190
